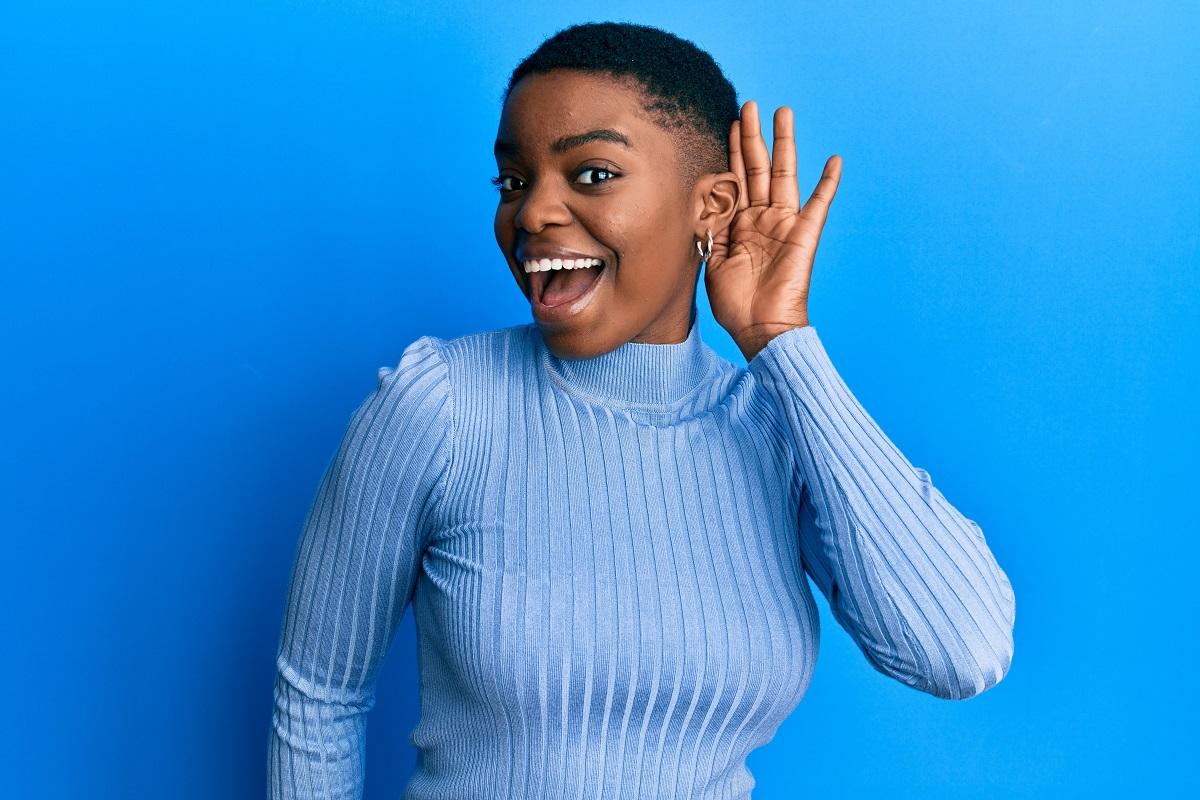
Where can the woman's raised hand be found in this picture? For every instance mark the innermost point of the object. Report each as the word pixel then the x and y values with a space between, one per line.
pixel 758 275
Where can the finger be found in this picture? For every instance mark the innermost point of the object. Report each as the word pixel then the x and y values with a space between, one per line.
pixel 736 165
pixel 754 153
pixel 785 192
pixel 816 209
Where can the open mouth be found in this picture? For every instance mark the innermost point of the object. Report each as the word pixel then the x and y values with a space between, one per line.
pixel 551 287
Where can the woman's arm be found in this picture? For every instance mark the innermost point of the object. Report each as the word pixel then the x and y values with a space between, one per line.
pixel 354 575
pixel 906 575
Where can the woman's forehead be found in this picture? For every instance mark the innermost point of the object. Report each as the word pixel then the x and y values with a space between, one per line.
pixel 544 108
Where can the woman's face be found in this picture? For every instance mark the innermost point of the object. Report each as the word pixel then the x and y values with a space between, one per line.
pixel 564 194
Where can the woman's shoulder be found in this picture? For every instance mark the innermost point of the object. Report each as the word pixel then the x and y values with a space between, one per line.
pixel 469 358
pixel 482 342
pixel 468 344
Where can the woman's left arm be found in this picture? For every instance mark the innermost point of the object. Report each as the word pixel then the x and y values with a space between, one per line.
pixel 906 574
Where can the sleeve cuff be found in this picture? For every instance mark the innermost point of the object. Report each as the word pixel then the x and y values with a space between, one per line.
pixel 795 350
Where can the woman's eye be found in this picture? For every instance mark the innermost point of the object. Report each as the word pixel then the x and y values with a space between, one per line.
pixel 589 170
pixel 500 182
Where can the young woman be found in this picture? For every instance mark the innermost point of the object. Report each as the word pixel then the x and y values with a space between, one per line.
pixel 603 526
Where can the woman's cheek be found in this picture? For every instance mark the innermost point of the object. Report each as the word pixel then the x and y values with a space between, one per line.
pixel 502 227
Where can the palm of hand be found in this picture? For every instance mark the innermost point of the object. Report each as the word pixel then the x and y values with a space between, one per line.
pixel 758 275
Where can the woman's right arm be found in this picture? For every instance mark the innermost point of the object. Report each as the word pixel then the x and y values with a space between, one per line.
pixel 354 575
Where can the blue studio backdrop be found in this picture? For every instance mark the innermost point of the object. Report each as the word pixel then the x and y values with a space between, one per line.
pixel 218 219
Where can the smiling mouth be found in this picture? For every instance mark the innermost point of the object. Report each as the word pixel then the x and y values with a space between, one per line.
pixel 553 287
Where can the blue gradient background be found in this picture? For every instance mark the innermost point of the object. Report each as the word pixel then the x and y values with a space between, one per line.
pixel 218 219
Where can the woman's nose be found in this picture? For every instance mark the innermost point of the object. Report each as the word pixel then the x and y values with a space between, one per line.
pixel 542 205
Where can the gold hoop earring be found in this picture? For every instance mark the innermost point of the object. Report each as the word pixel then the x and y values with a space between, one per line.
pixel 703 255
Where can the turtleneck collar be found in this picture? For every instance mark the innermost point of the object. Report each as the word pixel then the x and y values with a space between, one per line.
pixel 637 374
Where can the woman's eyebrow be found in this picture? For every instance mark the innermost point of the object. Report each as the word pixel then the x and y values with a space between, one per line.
pixel 568 142
pixel 599 135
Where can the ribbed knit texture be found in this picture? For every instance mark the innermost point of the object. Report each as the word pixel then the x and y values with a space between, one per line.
pixel 607 563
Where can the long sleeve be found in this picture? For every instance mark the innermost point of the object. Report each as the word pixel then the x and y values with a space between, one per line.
pixel 354 575
pixel 906 574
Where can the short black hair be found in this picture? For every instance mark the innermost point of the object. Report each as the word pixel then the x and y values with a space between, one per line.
pixel 688 94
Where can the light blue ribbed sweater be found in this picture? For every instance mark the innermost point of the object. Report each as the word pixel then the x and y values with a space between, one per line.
pixel 607 563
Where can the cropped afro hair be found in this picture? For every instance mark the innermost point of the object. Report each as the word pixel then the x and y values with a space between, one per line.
pixel 685 91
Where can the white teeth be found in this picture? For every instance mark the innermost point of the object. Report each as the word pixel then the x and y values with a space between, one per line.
pixel 560 263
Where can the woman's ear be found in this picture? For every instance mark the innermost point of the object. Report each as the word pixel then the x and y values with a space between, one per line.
pixel 717 196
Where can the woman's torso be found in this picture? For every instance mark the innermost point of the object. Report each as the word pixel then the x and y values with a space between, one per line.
pixel 612 602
